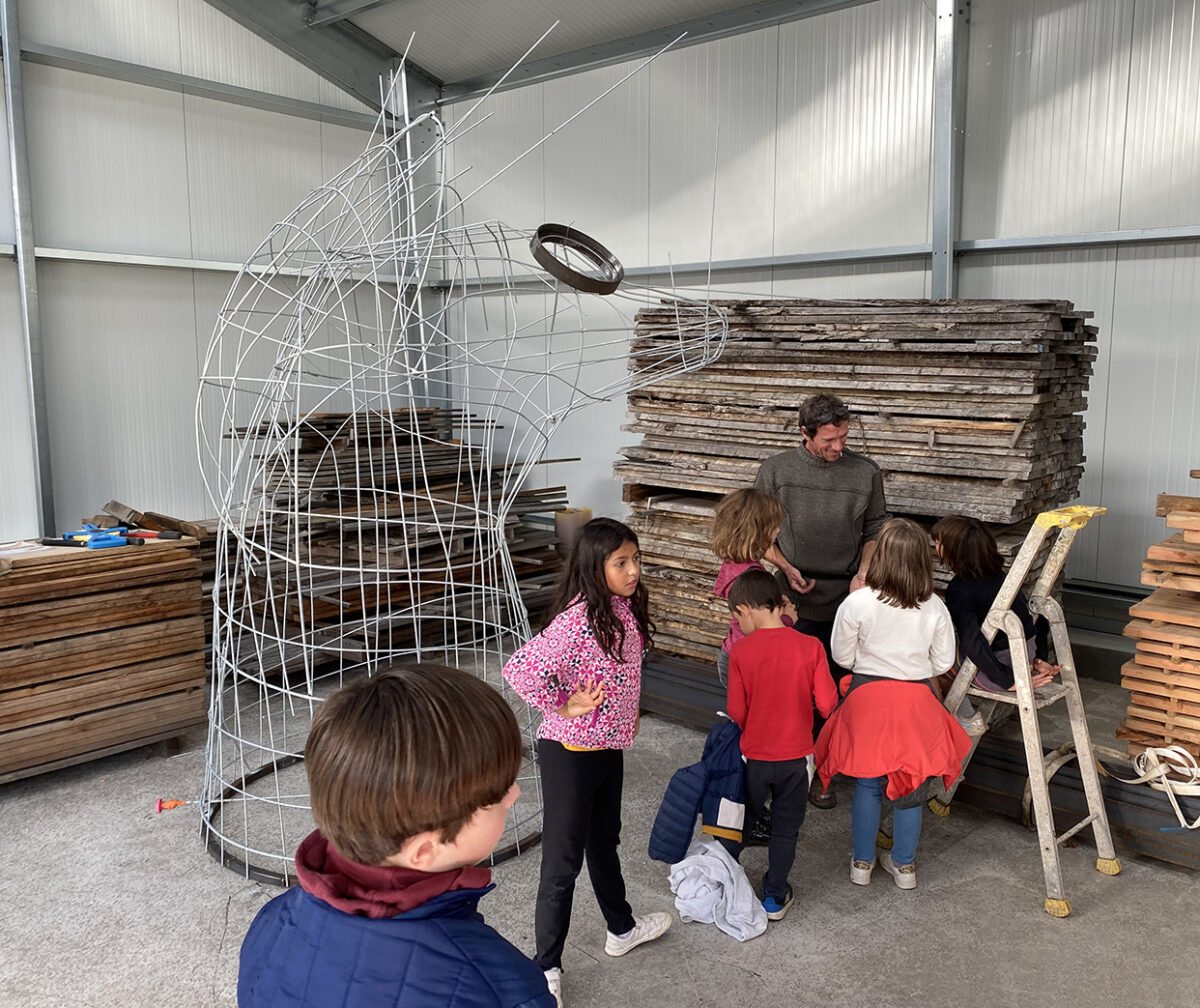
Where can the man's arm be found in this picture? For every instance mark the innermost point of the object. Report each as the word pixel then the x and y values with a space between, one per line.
pixel 872 524
pixel 800 584
pixel 864 564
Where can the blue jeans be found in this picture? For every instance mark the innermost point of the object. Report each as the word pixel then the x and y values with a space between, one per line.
pixel 864 823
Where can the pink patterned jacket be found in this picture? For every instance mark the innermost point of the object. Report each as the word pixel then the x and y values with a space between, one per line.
pixel 560 659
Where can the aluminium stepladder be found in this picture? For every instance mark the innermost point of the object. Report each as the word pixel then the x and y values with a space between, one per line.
pixel 1066 522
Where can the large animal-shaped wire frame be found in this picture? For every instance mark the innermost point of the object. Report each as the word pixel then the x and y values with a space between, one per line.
pixel 380 384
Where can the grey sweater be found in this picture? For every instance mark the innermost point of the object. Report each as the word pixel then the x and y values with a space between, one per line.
pixel 832 509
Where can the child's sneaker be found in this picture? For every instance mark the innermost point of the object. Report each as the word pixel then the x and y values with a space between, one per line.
pixel 645 929
pixel 905 874
pixel 777 909
pixel 860 871
pixel 554 982
pixel 974 725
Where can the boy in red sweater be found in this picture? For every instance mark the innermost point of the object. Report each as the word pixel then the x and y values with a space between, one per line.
pixel 776 674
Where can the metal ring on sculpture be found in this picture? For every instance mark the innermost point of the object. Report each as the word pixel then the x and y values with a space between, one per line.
pixel 607 265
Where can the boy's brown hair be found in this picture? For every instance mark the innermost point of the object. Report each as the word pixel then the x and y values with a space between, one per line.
pixel 901 570
pixel 419 747
pixel 743 524
pixel 756 589
pixel 968 548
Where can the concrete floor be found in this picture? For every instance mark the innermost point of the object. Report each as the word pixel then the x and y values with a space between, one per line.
pixel 108 904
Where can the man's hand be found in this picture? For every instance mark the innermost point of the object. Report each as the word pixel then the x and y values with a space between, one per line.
pixel 799 583
pixel 858 581
pixel 584 700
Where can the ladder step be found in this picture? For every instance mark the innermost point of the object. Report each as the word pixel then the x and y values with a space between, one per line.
pixel 1043 697
pixel 1087 821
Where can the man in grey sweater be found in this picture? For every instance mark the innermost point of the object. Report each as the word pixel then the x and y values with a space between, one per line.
pixel 835 509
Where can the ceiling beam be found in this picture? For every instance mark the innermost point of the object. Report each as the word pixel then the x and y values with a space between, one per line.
pixel 734 22
pixel 333 11
pixel 341 53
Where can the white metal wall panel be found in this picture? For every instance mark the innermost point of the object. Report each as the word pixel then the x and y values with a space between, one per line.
pixel 18 489
pixel 595 168
pixel 121 375
pixel 712 149
pixel 1161 177
pixel 1153 408
pixel 885 279
pixel 1046 116
pixel 855 97
pixel 1086 278
pixel 108 168
pixel 182 36
pixel 144 32
pixel 215 47
pixel 498 131
pixel 248 169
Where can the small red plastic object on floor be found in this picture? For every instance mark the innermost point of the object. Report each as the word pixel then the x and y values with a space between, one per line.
pixel 166 804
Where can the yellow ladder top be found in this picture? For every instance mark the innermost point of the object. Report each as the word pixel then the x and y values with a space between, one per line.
pixel 1069 517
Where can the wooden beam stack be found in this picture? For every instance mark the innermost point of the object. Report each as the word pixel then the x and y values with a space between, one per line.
pixel 968 407
pixel 1164 675
pixel 100 651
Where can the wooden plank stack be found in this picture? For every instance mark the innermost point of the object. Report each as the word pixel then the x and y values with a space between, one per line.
pixel 1164 675
pixel 100 651
pixel 968 407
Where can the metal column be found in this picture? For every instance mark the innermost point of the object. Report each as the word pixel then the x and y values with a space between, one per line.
pixel 14 106
pixel 949 108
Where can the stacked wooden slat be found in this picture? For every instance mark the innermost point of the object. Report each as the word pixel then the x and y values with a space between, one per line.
pixel 358 501
pixel 100 651
pixel 1164 675
pixel 968 407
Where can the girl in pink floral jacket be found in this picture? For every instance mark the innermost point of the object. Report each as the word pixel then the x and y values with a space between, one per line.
pixel 584 673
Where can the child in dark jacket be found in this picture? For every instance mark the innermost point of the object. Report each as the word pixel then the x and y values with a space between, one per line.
pixel 412 774
pixel 776 675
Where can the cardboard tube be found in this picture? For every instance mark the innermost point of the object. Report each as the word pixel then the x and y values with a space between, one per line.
pixel 567 524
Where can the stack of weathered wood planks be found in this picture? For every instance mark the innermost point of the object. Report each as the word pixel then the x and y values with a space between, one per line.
pixel 100 651
pixel 968 407
pixel 1164 676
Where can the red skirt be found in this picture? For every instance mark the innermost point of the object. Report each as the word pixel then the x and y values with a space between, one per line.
pixel 895 728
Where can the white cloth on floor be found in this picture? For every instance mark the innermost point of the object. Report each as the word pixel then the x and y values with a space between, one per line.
pixel 711 887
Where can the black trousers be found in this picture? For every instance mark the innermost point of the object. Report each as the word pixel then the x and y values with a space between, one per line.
pixel 786 782
pixel 581 817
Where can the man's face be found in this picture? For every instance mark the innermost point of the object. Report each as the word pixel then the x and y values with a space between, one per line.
pixel 830 441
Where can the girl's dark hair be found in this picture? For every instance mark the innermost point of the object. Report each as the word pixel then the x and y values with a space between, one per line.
pixel 968 548
pixel 584 577
pixel 901 570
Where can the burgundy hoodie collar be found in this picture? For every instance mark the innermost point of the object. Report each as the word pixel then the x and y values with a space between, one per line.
pixel 370 891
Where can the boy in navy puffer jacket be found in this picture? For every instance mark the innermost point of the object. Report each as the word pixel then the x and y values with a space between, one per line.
pixel 412 774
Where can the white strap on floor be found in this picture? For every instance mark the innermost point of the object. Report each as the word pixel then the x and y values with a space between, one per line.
pixel 1156 766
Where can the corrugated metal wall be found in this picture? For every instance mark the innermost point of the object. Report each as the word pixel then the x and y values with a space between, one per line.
pixel 131 169
pixel 1082 116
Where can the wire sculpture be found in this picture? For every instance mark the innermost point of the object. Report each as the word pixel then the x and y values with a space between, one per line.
pixel 380 384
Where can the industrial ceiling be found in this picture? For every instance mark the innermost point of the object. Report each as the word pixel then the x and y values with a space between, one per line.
pixel 459 48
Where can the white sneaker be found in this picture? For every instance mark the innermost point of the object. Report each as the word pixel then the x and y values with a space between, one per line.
pixel 905 875
pixel 860 871
pixel 554 982
pixel 645 929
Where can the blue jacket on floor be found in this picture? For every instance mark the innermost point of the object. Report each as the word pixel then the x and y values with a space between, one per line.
pixel 714 788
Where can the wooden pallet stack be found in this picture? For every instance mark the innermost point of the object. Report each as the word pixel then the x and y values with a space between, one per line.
pixel 100 651
pixel 1163 677
pixel 968 407
pixel 358 500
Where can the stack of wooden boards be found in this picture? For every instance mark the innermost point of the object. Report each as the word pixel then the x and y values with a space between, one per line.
pixel 1164 676
pixel 100 651
pixel 378 510
pixel 969 407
